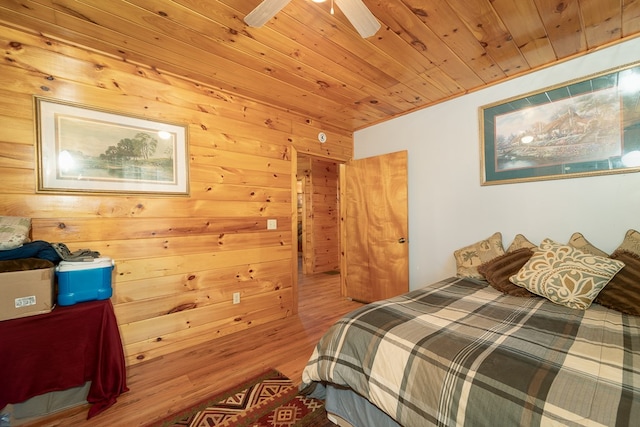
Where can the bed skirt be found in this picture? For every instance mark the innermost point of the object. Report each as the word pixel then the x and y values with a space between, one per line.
pixel 354 410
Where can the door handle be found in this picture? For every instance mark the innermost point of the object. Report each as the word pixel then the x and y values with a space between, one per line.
pixel 402 240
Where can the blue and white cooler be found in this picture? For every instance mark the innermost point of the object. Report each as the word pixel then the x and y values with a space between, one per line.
pixel 84 280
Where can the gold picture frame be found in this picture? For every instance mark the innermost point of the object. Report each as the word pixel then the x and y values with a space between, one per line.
pixel 84 149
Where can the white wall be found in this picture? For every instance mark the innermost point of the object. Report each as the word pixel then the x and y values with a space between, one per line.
pixel 449 209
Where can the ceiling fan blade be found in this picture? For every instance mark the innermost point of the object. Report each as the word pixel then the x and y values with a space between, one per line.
pixel 264 12
pixel 360 17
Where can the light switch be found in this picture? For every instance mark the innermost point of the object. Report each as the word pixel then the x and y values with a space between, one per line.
pixel 272 224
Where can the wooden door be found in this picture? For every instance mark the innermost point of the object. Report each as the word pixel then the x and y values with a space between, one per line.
pixel 374 227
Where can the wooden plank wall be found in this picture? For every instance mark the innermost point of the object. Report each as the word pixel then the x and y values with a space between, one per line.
pixel 178 259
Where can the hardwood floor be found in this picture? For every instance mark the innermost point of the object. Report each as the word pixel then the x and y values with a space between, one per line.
pixel 164 386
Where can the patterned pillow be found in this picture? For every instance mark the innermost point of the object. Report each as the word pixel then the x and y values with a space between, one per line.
pixel 498 270
pixel 469 258
pixel 631 242
pixel 578 241
pixel 520 242
pixel 566 275
pixel 14 232
pixel 623 291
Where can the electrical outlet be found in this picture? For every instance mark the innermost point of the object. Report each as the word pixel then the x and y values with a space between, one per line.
pixel 236 297
pixel 272 224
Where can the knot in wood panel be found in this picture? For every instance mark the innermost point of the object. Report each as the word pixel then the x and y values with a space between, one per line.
pixel 183 307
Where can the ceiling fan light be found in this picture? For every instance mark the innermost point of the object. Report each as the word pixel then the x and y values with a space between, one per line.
pixel 360 17
pixel 264 12
pixel 318 1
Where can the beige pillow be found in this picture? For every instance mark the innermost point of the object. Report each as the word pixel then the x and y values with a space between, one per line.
pixel 578 241
pixel 469 258
pixel 631 242
pixel 566 275
pixel 520 242
pixel 14 232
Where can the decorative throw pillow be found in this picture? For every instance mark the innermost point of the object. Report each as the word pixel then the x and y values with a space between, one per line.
pixel 631 242
pixel 623 291
pixel 14 232
pixel 520 242
pixel 578 241
pixel 498 270
pixel 469 258
pixel 566 275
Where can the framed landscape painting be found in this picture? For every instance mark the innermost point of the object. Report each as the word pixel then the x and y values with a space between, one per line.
pixel 81 149
pixel 581 128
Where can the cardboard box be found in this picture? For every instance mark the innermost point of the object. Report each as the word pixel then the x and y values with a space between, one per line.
pixel 26 293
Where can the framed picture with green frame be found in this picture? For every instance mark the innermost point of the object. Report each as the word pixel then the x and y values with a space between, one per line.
pixel 585 127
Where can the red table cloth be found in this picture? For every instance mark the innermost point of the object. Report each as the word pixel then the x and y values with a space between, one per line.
pixel 62 349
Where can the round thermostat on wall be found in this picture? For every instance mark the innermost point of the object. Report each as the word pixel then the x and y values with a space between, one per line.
pixel 322 137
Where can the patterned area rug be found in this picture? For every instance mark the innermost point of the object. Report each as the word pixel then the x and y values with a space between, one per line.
pixel 269 400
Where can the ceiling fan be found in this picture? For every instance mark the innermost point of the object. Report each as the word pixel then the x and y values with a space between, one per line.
pixel 356 12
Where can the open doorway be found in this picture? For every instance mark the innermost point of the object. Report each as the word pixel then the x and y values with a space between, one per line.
pixel 318 215
pixel 300 217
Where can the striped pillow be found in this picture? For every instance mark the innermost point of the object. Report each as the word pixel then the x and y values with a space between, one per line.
pixel 498 270
pixel 622 293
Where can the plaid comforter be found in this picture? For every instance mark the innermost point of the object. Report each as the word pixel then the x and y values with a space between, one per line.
pixel 460 353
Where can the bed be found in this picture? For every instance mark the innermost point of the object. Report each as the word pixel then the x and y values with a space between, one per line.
pixel 459 352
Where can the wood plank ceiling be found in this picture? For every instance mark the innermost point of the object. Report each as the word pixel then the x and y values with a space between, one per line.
pixel 309 61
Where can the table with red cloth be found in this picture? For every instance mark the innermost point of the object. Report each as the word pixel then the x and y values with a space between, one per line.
pixel 60 350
